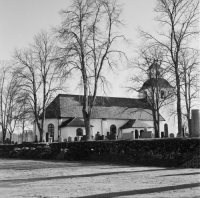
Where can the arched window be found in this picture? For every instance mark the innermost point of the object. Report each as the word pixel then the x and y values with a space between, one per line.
pixel 51 130
pixel 113 129
pixel 136 134
pixel 141 131
pixel 79 132
pixel 162 94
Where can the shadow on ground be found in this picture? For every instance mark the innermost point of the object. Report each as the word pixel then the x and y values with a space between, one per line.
pixel 143 191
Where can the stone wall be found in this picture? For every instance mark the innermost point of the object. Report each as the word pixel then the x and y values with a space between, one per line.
pixel 170 152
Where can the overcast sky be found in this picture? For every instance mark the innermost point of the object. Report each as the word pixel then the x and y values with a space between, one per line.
pixel 20 20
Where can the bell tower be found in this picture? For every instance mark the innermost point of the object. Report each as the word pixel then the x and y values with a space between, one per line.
pixel 160 94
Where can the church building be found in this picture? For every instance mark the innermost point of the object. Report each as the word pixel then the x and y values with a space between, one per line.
pixel 121 118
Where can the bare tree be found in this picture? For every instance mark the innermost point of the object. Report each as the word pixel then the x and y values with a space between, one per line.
pixel 39 75
pixel 88 34
pixel 178 21
pixel 25 115
pixel 152 81
pixel 9 91
pixel 189 61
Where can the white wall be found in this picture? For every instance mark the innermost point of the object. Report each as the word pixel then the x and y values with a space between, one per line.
pixel 102 126
pixel 47 122
pixel 97 126
pixel 130 130
pixel 117 123
pixel 70 131
pixel 128 136
pixel 171 120
pixel 150 123
pixel 166 112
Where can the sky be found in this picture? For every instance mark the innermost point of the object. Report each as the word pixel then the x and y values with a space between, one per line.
pixel 20 20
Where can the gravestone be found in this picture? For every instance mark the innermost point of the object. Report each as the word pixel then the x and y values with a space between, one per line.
pixel 147 134
pixel 162 134
pixel 47 137
pixel 128 136
pixel 69 139
pixel 171 135
pixel 50 139
pixel 79 138
pixel 195 123
pixel 166 130
pixel 36 139
pixel 183 132
pixel 60 139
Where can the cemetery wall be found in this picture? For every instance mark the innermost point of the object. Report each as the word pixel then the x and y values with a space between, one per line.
pixel 167 152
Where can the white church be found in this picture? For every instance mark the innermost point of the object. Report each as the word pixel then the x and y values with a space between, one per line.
pixel 121 118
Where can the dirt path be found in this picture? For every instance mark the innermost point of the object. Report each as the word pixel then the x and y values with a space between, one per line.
pixel 53 179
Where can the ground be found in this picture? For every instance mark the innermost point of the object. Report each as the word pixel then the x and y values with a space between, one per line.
pixel 62 179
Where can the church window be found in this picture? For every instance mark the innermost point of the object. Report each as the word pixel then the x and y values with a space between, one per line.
pixel 51 130
pixel 141 131
pixel 162 94
pixel 79 132
pixel 136 134
pixel 113 129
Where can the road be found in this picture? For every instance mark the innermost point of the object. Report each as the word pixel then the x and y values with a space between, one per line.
pixel 63 179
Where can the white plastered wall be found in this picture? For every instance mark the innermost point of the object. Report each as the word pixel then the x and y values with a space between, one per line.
pixel 150 123
pixel 166 112
pixel 70 132
pixel 170 119
pixel 100 125
pixel 118 124
pixel 47 122
pixel 103 126
pixel 130 130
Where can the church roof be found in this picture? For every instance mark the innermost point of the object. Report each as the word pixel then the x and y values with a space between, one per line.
pixel 135 124
pixel 70 106
pixel 159 82
pixel 73 122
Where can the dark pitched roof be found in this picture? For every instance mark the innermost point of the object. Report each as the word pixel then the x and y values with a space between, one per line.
pixel 159 82
pixel 70 106
pixel 65 123
pixel 73 122
pixel 135 124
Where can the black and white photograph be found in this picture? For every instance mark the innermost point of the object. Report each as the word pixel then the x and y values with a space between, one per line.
pixel 99 98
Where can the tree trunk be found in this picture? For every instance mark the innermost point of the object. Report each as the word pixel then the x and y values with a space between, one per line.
pixel 158 123
pixel 23 129
pixel 44 109
pixel 42 138
pixel 155 124
pixel 3 135
pixel 41 135
pixel 10 137
pixel 87 125
pixel 179 112
pixel 40 130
